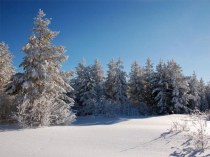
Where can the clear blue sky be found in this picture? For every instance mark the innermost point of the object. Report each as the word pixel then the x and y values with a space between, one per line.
pixel 106 29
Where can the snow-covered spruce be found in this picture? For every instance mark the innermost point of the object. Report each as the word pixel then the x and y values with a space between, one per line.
pixel 98 77
pixel 194 101
pixel 41 97
pixel 89 86
pixel 204 106
pixel 148 78
pixel 179 88
pixel 135 84
pixel 116 85
pixel 161 91
pixel 6 71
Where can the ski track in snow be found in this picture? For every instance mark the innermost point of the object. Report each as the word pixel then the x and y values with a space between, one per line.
pixel 100 137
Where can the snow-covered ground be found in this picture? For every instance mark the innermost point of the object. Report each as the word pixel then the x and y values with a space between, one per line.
pixel 99 137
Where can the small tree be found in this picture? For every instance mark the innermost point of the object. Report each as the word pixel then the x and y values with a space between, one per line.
pixel 41 99
pixel 6 71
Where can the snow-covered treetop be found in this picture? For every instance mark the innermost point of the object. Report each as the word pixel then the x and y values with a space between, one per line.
pixel 43 60
pixel 42 57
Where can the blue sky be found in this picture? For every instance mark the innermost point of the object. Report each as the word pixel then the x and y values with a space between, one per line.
pixel 106 29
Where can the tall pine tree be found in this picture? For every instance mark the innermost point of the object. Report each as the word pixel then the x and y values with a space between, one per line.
pixel 42 99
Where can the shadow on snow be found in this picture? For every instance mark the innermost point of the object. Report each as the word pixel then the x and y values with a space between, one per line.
pixel 9 127
pixel 91 120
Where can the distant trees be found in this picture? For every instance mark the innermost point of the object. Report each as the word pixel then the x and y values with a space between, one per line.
pixel 162 91
pixel 41 98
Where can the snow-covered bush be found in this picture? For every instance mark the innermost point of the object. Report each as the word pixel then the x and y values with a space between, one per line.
pixel 180 125
pixel 195 125
pixel 199 132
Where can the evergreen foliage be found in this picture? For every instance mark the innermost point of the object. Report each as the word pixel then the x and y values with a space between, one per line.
pixel 41 89
pixel 6 71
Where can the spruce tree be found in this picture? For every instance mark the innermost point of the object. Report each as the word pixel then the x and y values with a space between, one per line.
pixel 6 71
pixel 203 98
pixel 194 101
pixel 161 91
pixel 179 88
pixel 135 84
pixel 148 84
pixel 98 77
pixel 110 80
pixel 42 99
pixel 86 93
pixel 116 85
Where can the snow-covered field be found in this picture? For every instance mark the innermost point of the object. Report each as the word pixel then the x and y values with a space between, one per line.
pixel 99 137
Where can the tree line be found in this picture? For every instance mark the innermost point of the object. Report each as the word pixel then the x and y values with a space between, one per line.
pixel 146 90
pixel 44 95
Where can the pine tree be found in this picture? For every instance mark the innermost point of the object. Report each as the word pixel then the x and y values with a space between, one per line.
pixel 207 94
pixel 179 88
pixel 42 99
pixel 116 85
pixel 135 84
pixel 85 90
pixel 110 80
pixel 78 83
pixel 98 77
pixel 6 71
pixel 194 102
pixel 148 84
pixel 161 91
pixel 202 94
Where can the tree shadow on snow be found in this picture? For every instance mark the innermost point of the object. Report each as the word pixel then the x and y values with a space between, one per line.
pixel 164 136
pixel 86 121
pixel 187 149
pixel 9 127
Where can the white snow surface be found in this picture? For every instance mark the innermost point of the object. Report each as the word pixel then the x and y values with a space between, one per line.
pixel 99 137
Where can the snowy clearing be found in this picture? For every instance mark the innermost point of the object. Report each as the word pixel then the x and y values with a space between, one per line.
pixel 102 137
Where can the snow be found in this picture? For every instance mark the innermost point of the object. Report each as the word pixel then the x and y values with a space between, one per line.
pixel 95 136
